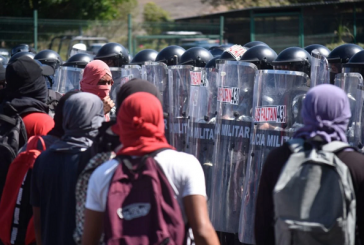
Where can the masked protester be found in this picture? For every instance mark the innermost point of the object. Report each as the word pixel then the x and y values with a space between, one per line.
pixel 17 186
pixel 105 145
pixel 97 79
pixel 326 114
pixel 140 126
pixel 56 169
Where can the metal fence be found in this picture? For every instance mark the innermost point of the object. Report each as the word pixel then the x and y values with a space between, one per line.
pixel 135 36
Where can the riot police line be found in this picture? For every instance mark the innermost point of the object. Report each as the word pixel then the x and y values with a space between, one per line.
pixel 229 107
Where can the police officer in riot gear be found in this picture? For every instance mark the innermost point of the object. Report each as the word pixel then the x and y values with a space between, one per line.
pixel 261 56
pixel 293 59
pixel 197 57
pixel 234 53
pixel 144 56
pixel 340 56
pixel 324 51
pixel 20 54
pixel 50 58
pixel 113 54
pixel 170 55
pixel 218 50
pixel 355 64
pixel 255 43
pixel 79 60
pixel 20 48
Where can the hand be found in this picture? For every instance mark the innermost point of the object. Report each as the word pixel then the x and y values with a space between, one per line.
pixel 108 104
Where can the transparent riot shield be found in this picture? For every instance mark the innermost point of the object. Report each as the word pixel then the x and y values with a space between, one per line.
pixel 157 73
pixel 352 84
pixel 179 92
pixel 320 70
pixel 67 79
pixel 121 76
pixel 233 121
pixel 202 112
pixel 278 97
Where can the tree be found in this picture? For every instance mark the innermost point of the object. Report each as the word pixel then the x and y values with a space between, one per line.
pixel 153 13
pixel 63 9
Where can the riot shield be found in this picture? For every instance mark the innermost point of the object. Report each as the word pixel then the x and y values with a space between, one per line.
pixel 157 73
pixel 233 121
pixel 121 76
pixel 352 84
pixel 201 133
pixel 320 70
pixel 179 91
pixel 66 79
pixel 278 97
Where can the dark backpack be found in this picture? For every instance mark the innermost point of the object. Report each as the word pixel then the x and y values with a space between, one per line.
pixel 12 136
pixel 141 207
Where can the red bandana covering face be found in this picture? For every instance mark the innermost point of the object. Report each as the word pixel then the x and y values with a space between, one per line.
pixel 92 74
pixel 140 125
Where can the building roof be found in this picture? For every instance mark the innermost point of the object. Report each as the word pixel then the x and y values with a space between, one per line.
pixel 273 8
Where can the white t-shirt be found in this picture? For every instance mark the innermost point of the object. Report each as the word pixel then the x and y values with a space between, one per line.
pixel 182 170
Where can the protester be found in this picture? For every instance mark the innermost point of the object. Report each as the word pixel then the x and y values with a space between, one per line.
pixel 26 91
pixel 140 126
pixel 24 103
pixel 103 149
pixel 97 79
pixel 55 170
pixel 17 186
pixel 326 114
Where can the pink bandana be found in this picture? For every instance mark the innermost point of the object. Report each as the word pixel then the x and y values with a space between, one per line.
pixel 92 74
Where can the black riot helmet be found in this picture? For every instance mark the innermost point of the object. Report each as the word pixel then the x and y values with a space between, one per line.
pixel 144 56
pixel 218 50
pixel 293 59
pixel 321 48
pixel 113 54
pixel 261 56
pixel 20 54
pixel 196 56
pixel 355 64
pixel 3 60
pixel 170 55
pixel 235 52
pixel 49 57
pixel 339 56
pixel 20 48
pixel 212 62
pixel 255 43
pixel 79 60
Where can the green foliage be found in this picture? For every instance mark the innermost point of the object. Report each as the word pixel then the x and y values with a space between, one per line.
pixel 63 9
pixel 153 13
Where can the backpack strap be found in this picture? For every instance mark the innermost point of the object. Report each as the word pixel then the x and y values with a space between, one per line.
pixel 7 119
pixel 33 143
pixel 337 146
pixel 296 145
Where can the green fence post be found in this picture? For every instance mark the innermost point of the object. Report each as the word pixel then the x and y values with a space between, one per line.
pixel 252 26
pixel 35 15
pixel 221 29
pixel 354 27
pixel 302 30
pixel 130 45
pixel 134 46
